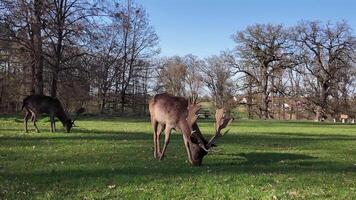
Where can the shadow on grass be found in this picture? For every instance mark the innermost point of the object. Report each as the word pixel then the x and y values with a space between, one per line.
pixel 135 168
pixel 257 140
pixel 254 163
pixel 289 123
pixel 45 118
pixel 84 135
pixel 117 119
pixel 314 136
pixel 265 158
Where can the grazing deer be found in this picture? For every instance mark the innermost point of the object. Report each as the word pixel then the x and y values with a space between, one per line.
pixel 173 112
pixel 37 104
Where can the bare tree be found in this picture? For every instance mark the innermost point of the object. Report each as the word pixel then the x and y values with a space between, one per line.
pixel 325 53
pixel 139 43
pixel 261 52
pixel 65 19
pixel 194 79
pixel 68 53
pixel 172 75
pixel 25 22
pixel 218 78
pixel 104 59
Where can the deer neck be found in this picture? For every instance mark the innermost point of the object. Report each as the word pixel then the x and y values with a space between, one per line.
pixel 184 127
pixel 63 117
pixel 197 132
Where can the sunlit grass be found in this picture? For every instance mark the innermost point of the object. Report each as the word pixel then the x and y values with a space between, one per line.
pixel 112 158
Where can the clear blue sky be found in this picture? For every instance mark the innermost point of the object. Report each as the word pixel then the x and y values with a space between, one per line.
pixel 204 27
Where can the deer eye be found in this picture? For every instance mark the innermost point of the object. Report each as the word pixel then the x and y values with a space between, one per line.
pixel 194 140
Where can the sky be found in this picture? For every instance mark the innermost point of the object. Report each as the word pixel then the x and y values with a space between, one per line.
pixel 204 27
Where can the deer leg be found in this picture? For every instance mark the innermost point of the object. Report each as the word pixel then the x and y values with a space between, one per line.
pixel 52 122
pixel 186 144
pixel 34 122
pixel 161 128
pixel 186 132
pixel 154 124
pixel 167 134
pixel 26 119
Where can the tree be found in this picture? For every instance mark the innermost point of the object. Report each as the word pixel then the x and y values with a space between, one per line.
pixel 139 43
pixel 105 63
pixel 325 52
pixel 64 20
pixel 217 76
pixel 172 75
pixel 193 79
pixel 262 51
pixel 25 22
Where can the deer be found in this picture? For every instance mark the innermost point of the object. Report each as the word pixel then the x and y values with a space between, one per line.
pixel 38 104
pixel 172 112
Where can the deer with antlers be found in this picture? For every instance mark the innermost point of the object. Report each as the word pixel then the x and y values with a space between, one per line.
pixel 38 104
pixel 171 112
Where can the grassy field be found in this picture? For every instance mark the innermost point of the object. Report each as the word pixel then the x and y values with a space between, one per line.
pixel 113 159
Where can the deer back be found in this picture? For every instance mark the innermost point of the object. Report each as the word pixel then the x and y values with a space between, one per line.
pixel 45 104
pixel 168 109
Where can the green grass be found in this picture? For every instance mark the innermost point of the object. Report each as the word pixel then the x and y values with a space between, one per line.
pixel 112 158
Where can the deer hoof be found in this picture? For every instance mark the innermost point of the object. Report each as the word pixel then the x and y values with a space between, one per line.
pixel 158 156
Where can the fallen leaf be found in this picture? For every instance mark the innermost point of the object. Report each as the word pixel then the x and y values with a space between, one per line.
pixel 292 193
pixel 111 186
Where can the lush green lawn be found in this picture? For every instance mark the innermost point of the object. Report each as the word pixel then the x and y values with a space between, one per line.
pixel 113 159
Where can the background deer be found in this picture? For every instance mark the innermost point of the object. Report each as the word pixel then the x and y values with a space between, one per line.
pixel 173 112
pixel 37 104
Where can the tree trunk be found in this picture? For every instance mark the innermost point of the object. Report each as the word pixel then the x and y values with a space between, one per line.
pixel 249 98
pixel 116 100
pixel 56 66
pixel 102 105
pixel 33 78
pixel 264 96
pixel 249 105
pixel 264 106
pixel 318 113
pixel 123 101
pixel 54 83
pixel 321 108
pixel 37 43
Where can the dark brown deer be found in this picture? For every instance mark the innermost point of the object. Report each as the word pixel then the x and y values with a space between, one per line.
pixel 38 104
pixel 171 112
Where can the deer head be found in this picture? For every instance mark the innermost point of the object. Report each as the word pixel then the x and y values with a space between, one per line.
pixel 199 145
pixel 70 123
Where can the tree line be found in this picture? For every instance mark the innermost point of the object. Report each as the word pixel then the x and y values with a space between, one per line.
pixel 302 72
pixel 96 52
pixel 105 55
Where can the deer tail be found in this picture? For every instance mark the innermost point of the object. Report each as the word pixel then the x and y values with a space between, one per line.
pixel 24 103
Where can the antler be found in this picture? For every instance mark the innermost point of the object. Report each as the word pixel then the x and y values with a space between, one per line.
pixel 77 113
pixel 221 122
pixel 192 114
pixel 192 119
